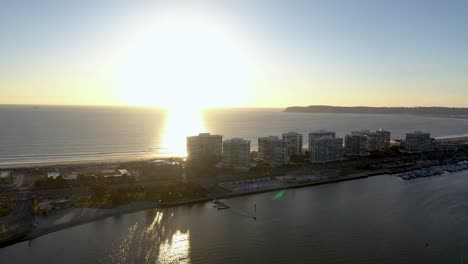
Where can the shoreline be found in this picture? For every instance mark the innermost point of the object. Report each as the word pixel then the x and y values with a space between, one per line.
pixel 28 165
pixel 134 207
pixel 72 217
pixel 143 206
pixel 143 158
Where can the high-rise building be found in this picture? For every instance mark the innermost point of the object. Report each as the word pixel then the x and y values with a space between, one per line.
pixel 361 142
pixel 294 143
pixel 273 150
pixel 356 143
pixel 324 146
pixel 204 147
pixel 236 153
pixel 418 142
pixel 321 133
pixel 379 140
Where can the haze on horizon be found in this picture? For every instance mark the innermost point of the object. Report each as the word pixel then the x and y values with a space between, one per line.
pixel 234 53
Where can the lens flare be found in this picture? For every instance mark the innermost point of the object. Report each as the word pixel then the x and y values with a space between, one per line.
pixel 279 195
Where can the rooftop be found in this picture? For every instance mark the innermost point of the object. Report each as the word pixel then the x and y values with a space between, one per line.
pixel 326 138
pixel 271 138
pixel 292 133
pixel 321 131
pixel 418 132
pixel 206 135
pixel 237 140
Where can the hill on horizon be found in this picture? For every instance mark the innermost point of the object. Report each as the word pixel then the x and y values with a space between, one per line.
pixel 436 110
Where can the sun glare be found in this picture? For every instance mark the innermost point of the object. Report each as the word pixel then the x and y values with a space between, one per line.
pixel 184 63
pixel 181 123
pixel 176 250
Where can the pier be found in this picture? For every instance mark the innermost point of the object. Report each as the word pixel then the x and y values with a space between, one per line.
pixel 219 205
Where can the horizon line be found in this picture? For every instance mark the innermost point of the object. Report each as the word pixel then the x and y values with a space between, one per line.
pixel 223 107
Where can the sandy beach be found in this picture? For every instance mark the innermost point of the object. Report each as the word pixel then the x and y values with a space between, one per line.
pixel 79 162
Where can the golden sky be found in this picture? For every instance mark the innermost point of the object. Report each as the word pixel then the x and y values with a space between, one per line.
pixel 221 54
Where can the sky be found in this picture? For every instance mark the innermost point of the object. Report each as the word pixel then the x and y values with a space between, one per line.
pixel 197 54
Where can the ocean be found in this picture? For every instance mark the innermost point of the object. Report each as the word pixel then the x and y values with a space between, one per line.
pixel 69 133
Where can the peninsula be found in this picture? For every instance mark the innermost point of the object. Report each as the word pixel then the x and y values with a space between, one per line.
pixel 429 111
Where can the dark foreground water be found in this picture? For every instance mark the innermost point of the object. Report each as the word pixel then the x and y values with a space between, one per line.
pixel 381 219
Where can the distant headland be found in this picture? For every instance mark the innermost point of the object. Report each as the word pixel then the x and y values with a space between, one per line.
pixel 430 111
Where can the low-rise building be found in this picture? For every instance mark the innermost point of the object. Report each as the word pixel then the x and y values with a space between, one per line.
pixel 109 173
pixel 324 146
pixel 236 153
pixel 273 150
pixel 66 176
pixel 53 174
pixel 6 177
pixel 418 142
pixel 294 143
pixel 71 176
pixel 447 146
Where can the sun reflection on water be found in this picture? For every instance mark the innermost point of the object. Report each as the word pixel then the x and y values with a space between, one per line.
pixel 156 222
pixel 173 246
pixel 176 249
pixel 156 238
pixel 180 123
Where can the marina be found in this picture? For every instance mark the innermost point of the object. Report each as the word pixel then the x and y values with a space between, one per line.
pixel 434 170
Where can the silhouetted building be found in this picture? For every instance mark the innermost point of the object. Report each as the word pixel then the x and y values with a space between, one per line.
pixel 321 133
pixel 356 143
pixel 418 142
pixel 361 142
pixel 294 143
pixel 273 150
pixel 379 140
pixel 236 153
pixel 204 147
pixel 324 146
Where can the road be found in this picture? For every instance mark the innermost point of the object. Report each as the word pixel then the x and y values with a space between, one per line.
pixel 18 222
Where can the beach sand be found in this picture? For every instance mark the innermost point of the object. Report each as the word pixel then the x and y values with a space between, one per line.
pixel 79 162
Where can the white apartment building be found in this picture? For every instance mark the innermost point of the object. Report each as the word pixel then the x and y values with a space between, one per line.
pixel 273 150
pixel 361 142
pixel 417 142
pixel 294 143
pixel 379 140
pixel 236 153
pixel 356 143
pixel 321 133
pixel 204 146
pixel 324 146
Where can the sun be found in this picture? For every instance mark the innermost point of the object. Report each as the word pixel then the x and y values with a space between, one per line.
pixel 184 63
